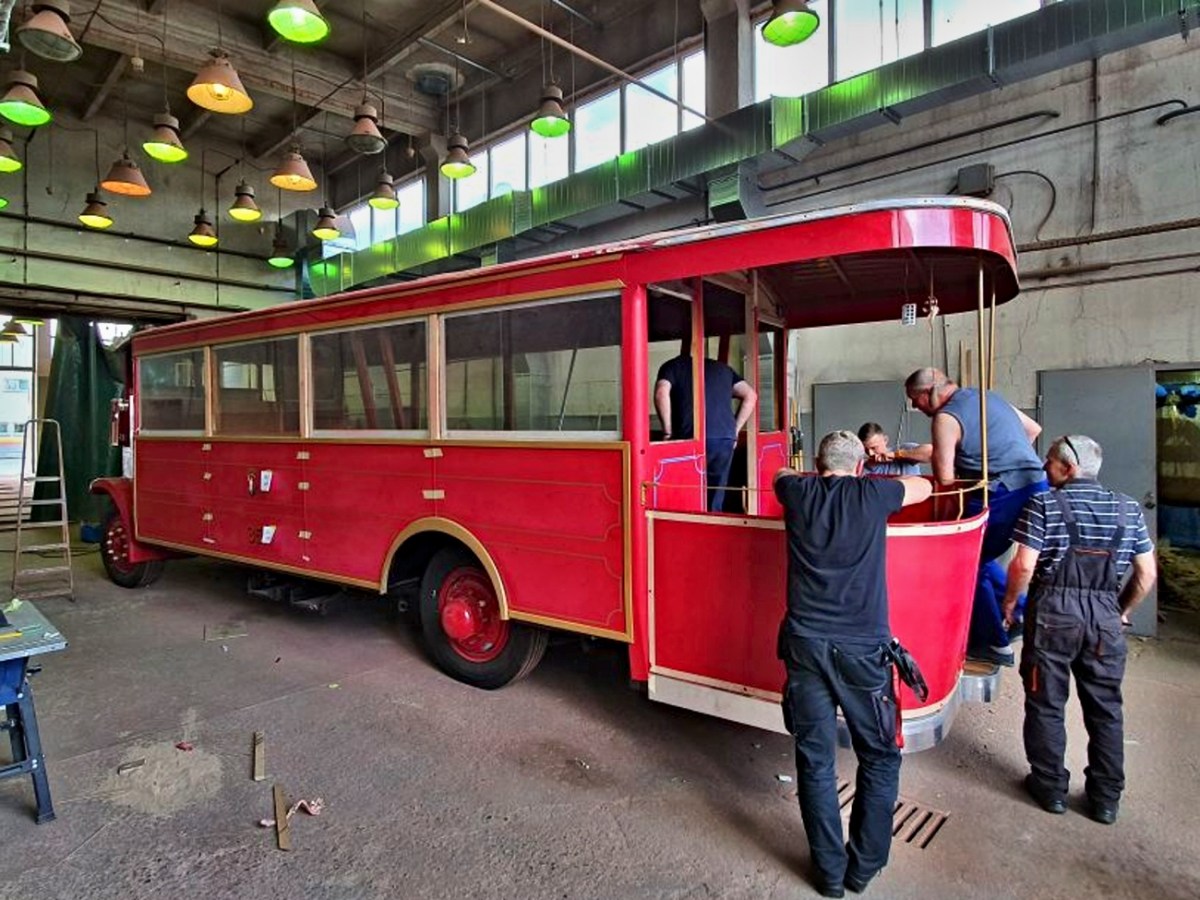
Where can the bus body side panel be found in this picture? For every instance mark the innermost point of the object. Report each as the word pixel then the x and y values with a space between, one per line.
pixel 554 520
pixel 675 476
pixel 359 497
pixel 327 510
pixel 772 456
pixel 718 593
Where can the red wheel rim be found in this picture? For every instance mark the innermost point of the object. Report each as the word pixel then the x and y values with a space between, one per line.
pixel 116 546
pixel 470 616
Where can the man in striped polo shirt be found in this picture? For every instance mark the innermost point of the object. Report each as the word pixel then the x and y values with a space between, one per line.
pixel 1075 544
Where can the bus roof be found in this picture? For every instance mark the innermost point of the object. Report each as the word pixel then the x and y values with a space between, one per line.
pixel 849 264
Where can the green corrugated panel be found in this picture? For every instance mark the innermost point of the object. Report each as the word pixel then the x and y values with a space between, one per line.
pixel 787 119
pixel 325 275
pixel 522 211
pixel 954 64
pixel 635 168
pixel 423 245
pixel 483 224
pixel 582 191
pixel 375 261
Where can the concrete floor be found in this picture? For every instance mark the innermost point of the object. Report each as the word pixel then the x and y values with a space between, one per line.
pixel 567 785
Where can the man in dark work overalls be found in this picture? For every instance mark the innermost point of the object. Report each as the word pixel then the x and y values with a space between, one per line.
pixel 1074 546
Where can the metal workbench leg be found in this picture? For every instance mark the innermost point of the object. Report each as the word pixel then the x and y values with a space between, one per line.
pixel 33 748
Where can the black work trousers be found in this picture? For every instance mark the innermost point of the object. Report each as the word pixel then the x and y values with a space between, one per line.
pixel 823 675
pixel 1074 631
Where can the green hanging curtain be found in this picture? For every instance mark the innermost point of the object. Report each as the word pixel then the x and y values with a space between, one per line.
pixel 84 378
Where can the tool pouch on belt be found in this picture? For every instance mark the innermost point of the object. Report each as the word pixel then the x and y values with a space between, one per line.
pixel 907 669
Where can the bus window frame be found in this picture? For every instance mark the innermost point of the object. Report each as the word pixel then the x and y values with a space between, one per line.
pixel 519 436
pixel 205 383
pixel 308 402
pixel 213 388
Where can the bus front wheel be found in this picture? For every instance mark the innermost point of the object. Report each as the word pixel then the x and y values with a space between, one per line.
pixel 462 627
pixel 114 552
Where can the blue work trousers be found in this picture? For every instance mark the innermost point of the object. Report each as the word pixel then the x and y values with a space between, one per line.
pixel 718 454
pixel 822 675
pixel 1004 509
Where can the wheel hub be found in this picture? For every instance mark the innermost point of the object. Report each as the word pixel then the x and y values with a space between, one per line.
pixel 469 614
pixel 459 620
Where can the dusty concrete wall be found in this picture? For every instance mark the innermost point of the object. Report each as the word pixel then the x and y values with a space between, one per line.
pixel 1086 301
pixel 51 250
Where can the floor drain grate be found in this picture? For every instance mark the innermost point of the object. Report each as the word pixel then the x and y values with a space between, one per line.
pixel 912 823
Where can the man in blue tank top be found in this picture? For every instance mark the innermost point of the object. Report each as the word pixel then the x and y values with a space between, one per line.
pixel 1014 473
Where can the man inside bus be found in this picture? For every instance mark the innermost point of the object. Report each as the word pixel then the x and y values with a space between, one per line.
pixel 906 459
pixel 673 402
pixel 1014 475
pixel 1074 547
pixel 832 642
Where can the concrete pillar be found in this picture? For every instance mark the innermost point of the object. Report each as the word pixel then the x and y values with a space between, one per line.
pixel 438 190
pixel 729 55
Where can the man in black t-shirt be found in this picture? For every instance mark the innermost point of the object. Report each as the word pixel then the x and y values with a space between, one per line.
pixel 673 402
pixel 832 642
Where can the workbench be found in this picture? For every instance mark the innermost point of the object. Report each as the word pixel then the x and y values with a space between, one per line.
pixel 25 633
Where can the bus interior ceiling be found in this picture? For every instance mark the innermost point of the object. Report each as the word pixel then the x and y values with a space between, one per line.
pixel 870 287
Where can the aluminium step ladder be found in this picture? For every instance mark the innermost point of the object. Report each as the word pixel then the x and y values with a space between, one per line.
pixel 35 582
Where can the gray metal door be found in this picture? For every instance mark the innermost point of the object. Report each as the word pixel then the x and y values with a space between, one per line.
pixel 849 404
pixel 1116 407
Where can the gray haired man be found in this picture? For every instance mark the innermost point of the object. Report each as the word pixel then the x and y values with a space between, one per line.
pixel 1075 544
pixel 832 642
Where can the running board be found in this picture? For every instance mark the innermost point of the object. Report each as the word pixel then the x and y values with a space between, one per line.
pixel 920 732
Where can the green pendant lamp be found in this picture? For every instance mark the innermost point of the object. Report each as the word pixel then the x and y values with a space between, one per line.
pixel 244 207
pixel 551 120
pixel 326 228
pixel 95 213
pixel 281 254
pixel 458 161
pixel 385 193
pixel 298 21
pixel 21 104
pixel 9 161
pixel 164 144
pixel 791 22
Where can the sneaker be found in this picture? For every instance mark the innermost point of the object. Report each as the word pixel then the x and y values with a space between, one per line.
pixel 831 890
pixel 1103 811
pixel 1051 804
pixel 1001 656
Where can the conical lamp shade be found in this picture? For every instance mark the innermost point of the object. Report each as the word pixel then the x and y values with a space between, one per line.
pixel 791 22
pixel 551 120
pixel 203 234
pixel 385 193
pixel 365 138
pixel 298 21
pixel 46 33
pixel 458 162
pixel 126 178
pixel 244 208
pixel 165 144
pixel 12 326
pixel 326 228
pixel 281 254
pixel 293 173
pixel 217 87
pixel 95 213
pixel 9 161
pixel 21 104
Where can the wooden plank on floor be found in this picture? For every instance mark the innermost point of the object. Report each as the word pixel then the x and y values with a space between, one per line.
pixel 283 831
pixel 260 758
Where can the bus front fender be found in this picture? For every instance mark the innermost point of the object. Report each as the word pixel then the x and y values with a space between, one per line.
pixel 120 492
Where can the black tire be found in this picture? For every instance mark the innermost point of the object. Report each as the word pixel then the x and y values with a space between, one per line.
pixel 114 552
pixel 476 660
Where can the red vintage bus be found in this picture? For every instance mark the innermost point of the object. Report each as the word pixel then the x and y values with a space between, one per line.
pixel 489 437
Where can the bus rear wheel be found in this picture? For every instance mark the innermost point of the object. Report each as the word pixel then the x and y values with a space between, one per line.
pixel 114 552
pixel 462 627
